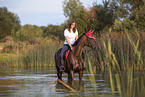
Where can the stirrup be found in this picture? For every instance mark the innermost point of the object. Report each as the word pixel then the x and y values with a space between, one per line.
pixel 61 68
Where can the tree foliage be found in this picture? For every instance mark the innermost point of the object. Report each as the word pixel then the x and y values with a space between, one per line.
pixel 127 13
pixel 55 30
pixel 119 10
pixel 133 3
pixel 118 14
pixel 73 9
pixel 97 17
pixel 9 22
pixel 136 11
pixel 101 16
pixel 29 33
pixel 125 24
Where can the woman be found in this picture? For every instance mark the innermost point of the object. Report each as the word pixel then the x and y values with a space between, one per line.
pixel 71 35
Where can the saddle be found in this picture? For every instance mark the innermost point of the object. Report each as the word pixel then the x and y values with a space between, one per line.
pixel 65 54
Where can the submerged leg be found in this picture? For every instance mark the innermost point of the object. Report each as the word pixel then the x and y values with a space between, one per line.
pixel 70 75
pixel 83 62
pixel 80 75
pixel 59 75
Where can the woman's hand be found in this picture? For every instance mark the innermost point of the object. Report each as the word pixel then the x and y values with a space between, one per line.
pixel 69 42
pixel 71 47
pixel 76 37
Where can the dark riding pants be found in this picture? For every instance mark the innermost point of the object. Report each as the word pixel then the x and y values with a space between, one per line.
pixel 64 49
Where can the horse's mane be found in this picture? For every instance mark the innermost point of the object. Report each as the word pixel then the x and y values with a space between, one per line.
pixel 78 40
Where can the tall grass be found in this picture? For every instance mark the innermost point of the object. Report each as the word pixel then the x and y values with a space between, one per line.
pixel 123 51
pixel 127 85
pixel 130 87
pixel 91 76
pixel 120 51
pixel 137 52
pixel 38 55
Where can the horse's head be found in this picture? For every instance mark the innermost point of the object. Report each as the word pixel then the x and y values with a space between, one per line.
pixel 90 41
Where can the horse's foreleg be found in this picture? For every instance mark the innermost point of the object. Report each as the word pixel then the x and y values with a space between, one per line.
pixel 59 75
pixel 70 75
pixel 80 75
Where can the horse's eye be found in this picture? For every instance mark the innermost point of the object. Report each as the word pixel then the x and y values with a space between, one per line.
pixel 91 39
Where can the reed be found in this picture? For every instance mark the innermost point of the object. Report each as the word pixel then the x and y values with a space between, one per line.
pixel 91 76
pixel 41 56
pixel 38 55
pixel 135 49
pixel 120 51
pixel 127 86
pixel 131 87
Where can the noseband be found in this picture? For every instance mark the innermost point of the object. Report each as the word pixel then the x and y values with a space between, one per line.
pixel 90 42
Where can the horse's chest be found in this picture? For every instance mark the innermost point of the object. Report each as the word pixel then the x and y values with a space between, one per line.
pixel 77 63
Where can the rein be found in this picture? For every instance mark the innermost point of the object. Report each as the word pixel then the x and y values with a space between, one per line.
pixel 87 51
pixel 74 54
pixel 90 43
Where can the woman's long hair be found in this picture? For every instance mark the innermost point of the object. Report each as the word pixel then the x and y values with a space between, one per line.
pixel 69 25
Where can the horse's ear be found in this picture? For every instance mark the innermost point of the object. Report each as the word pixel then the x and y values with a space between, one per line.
pixel 89 34
pixel 92 32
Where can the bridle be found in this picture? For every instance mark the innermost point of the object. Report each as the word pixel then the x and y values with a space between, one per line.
pixel 90 42
pixel 87 51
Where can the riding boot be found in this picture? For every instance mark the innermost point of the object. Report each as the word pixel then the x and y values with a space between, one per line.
pixel 62 64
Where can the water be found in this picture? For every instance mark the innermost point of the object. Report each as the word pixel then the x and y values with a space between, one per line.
pixel 36 82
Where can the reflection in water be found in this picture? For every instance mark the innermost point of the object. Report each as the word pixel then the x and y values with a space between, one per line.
pixel 35 82
pixel 77 86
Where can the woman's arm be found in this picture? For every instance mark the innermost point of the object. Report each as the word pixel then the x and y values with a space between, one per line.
pixel 66 37
pixel 76 37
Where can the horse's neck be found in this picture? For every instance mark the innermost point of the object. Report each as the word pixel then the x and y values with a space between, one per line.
pixel 78 47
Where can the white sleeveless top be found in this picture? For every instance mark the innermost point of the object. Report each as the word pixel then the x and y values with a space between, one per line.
pixel 71 36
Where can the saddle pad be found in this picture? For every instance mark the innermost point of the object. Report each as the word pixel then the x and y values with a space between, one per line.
pixel 67 54
pixel 58 56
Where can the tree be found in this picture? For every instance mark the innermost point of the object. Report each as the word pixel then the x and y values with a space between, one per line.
pixel 54 30
pixel 125 24
pixel 29 33
pixel 9 22
pixel 133 3
pixel 137 12
pixel 101 16
pixel 73 9
pixel 119 10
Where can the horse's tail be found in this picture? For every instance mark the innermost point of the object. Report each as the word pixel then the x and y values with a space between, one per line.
pixel 57 58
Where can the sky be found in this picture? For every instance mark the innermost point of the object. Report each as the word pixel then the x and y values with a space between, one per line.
pixel 40 12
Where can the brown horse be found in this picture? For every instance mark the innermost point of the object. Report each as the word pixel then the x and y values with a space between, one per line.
pixel 75 60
